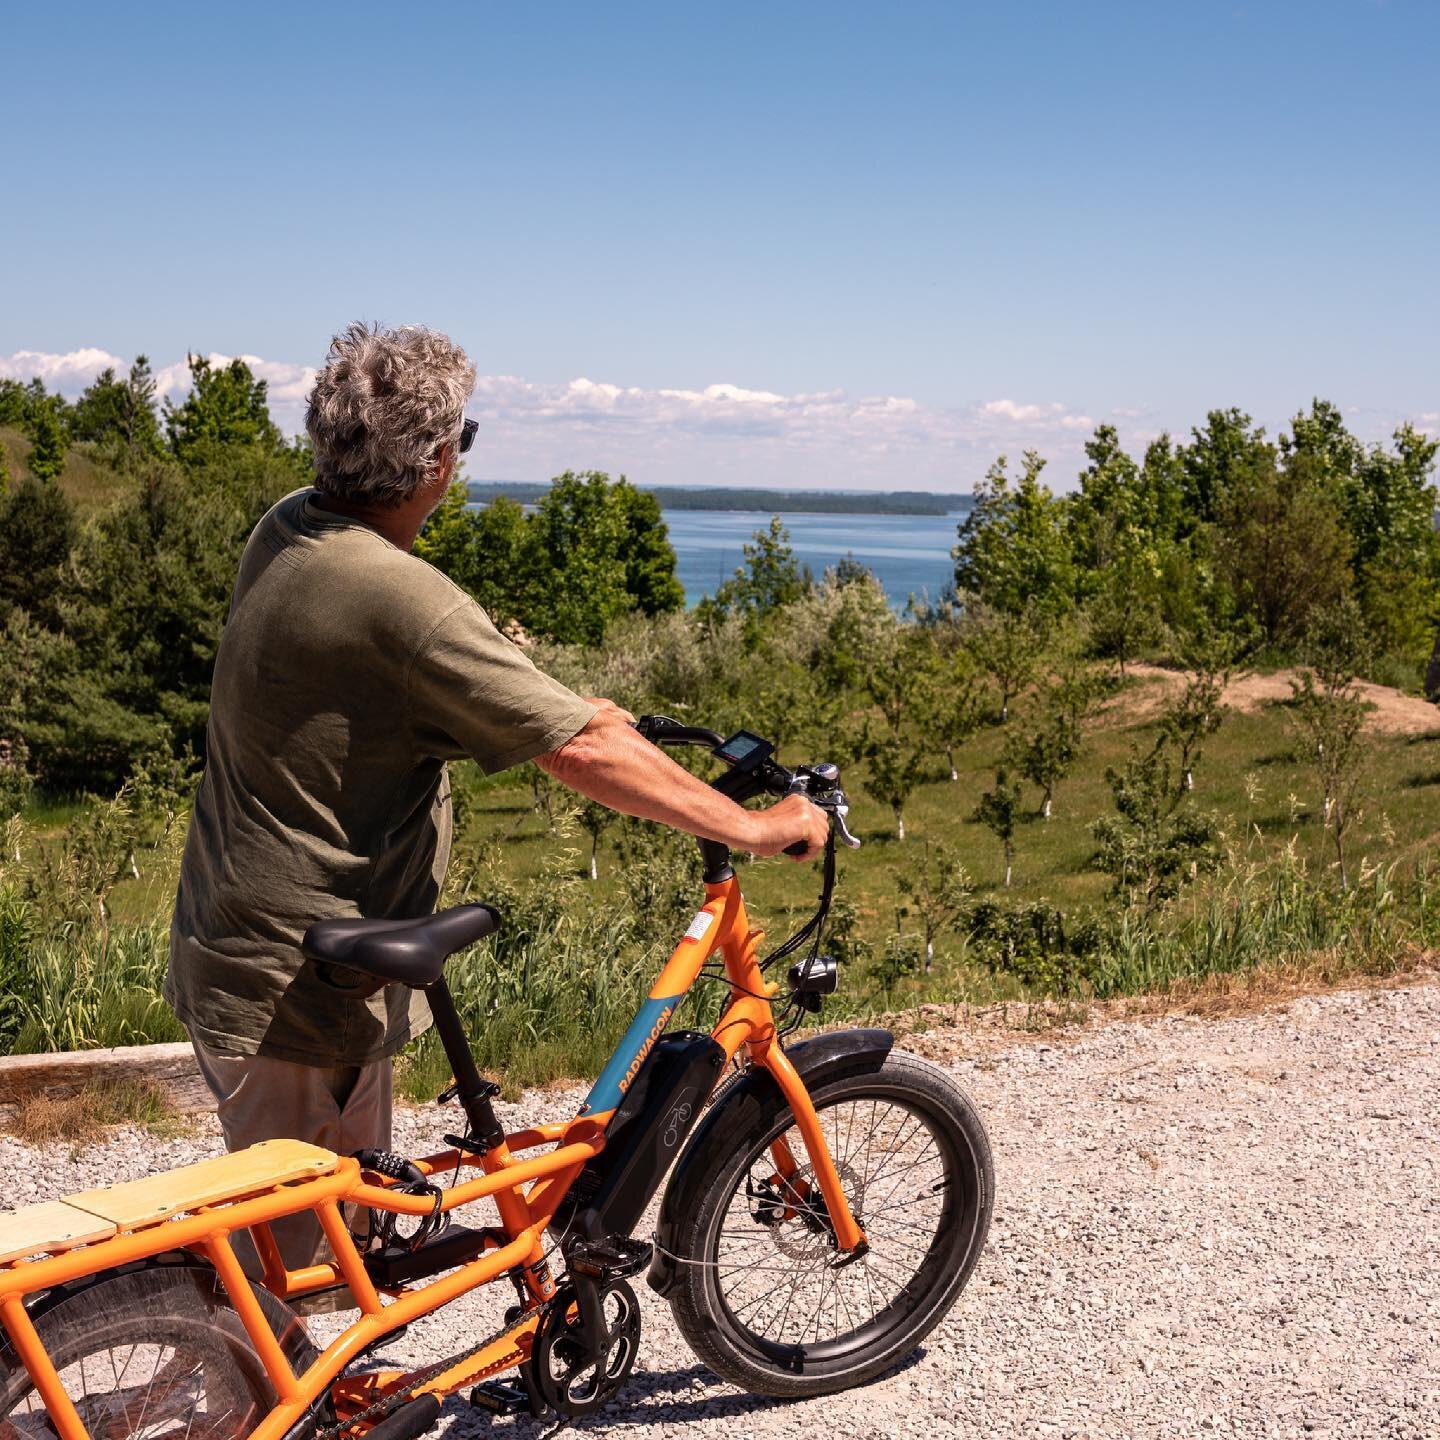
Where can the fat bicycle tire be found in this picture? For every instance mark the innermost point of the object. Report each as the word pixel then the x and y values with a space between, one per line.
pixel 913 1102
pixel 147 1348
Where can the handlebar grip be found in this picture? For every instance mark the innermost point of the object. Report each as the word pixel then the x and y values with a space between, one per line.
pixel 798 848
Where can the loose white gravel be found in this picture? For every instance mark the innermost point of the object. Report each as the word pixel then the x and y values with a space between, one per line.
pixel 1202 1227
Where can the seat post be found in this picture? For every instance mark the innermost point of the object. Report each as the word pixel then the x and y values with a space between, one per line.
pixel 472 1090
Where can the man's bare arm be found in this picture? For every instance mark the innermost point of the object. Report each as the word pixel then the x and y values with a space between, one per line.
pixel 610 762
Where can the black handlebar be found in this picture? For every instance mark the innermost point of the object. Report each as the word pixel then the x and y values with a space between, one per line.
pixel 662 730
pixel 819 783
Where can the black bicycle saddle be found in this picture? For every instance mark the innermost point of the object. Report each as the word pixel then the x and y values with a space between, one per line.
pixel 410 952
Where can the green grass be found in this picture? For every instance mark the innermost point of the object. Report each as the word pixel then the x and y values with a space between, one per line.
pixel 1247 775
pixel 88 482
pixel 552 994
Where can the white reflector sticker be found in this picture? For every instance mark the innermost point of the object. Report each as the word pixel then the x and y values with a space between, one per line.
pixel 699 926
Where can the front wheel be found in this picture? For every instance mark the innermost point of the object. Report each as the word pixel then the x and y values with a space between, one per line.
pixel 765 1298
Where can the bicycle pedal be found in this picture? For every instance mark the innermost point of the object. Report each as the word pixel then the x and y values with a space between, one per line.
pixel 615 1258
pixel 499 1397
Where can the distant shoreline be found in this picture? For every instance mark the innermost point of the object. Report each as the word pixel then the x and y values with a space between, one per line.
pixel 764 502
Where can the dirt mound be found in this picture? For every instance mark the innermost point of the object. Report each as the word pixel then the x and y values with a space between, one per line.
pixel 1393 712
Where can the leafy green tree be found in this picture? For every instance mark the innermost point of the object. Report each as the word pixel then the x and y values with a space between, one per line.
pixel 48 442
pixel 1153 844
pixel 1008 647
pixel 591 551
pixel 225 406
pixel 1387 501
pixel 893 770
pixel 1329 711
pixel 954 706
pixel 1045 755
pixel 1013 553
pixel 937 892
pixel 999 812
pixel 37 532
pixel 1125 614
pixel 646 552
pixel 582 547
pixel 1228 447
pixel 770 579
pixel 1284 545
pixel 480 549
pixel 119 415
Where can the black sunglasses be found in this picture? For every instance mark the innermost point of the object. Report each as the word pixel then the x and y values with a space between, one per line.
pixel 467 434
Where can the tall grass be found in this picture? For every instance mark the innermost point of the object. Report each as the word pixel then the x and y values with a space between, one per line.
pixel 552 992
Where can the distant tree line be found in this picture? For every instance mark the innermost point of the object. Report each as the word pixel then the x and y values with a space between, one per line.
pixel 1231 532
pixel 720 497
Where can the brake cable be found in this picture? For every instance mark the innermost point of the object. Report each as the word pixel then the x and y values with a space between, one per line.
pixel 815 925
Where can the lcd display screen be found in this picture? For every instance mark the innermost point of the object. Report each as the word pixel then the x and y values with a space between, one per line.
pixel 744 749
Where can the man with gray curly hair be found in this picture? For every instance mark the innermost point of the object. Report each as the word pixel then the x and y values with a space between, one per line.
pixel 349 673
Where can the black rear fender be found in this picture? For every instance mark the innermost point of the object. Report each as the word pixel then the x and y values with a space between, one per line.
pixel 738 1112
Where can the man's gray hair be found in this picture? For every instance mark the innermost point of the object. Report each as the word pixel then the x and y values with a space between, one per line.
pixel 382 407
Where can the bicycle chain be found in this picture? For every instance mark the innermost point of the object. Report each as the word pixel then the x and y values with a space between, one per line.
pixel 390 1402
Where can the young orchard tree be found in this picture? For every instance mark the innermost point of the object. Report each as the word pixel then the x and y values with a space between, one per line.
pixel 893 771
pixel 595 820
pixel 898 676
pixel 938 892
pixel 1009 648
pixel 1329 712
pixel 955 707
pixel 999 812
pixel 1151 846
pixel 1194 715
pixel 1124 615
pixel 1045 756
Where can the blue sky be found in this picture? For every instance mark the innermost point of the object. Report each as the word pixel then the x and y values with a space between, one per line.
pixel 805 243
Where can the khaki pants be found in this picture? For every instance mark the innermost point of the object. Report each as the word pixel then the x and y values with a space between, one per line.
pixel 344 1109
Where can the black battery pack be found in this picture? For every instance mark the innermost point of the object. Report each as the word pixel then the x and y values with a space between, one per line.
pixel 643 1137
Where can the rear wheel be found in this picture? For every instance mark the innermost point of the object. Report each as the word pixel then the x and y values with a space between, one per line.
pixel 154 1351
pixel 767 1299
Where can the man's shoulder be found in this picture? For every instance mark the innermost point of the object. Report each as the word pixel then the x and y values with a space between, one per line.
pixel 392 592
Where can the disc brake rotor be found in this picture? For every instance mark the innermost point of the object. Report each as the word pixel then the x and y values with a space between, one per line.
pixel 808 1232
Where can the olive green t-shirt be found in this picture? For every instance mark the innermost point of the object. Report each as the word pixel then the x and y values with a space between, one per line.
pixel 349 672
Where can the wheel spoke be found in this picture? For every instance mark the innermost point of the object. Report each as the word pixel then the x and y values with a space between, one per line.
pixel 787 1282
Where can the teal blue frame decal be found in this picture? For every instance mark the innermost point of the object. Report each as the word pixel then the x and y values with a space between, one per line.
pixel 622 1067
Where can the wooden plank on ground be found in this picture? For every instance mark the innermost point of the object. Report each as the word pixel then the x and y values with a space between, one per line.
pixel 172 1067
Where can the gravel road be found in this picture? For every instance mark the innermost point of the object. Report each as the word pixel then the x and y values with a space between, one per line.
pixel 1202 1227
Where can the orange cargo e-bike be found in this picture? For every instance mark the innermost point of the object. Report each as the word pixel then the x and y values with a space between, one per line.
pixel 821 1218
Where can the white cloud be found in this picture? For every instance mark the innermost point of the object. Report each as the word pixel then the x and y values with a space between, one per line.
pixel 67 373
pixel 723 433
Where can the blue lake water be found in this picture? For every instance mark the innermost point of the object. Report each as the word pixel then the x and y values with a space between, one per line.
pixel 910 553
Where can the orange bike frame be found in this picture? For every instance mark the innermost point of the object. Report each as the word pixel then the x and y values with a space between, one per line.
pixel 527 1193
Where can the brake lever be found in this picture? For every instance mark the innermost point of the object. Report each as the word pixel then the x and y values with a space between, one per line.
pixel 834 802
pixel 840 812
